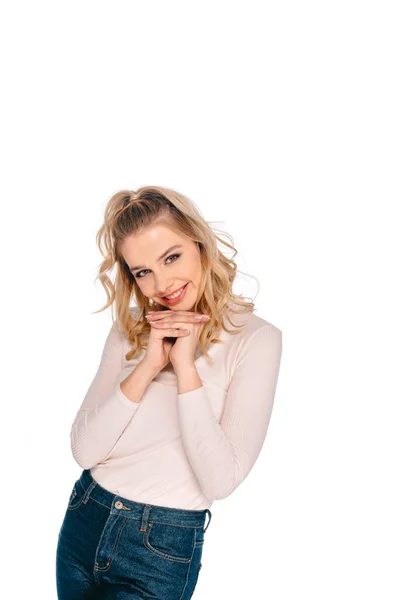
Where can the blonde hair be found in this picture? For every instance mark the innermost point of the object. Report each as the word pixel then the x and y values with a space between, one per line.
pixel 128 212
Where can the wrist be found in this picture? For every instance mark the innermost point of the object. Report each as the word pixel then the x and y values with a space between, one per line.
pixel 188 378
pixel 148 368
pixel 184 367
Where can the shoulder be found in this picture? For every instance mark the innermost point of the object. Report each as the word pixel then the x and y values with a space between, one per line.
pixel 259 339
pixel 261 336
pixel 135 312
pixel 251 323
pixel 117 330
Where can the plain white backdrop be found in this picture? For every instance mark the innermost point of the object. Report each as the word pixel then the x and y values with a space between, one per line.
pixel 280 120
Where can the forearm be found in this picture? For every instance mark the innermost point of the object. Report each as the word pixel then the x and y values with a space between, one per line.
pixel 97 429
pixel 210 453
pixel 137 382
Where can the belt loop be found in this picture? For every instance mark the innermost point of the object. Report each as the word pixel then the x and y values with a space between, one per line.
pixel 145 517
pixel 209 520
pixel 88 492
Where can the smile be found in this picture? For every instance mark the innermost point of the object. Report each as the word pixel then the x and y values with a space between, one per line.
pixel 176 296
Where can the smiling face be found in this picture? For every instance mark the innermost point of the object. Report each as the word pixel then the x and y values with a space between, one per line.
pixel 159 269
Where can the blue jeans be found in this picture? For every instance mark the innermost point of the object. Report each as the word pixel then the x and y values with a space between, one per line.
pixel 112 548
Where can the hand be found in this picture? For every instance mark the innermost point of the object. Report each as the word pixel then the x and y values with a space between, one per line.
pixel 159 345
pixel 180 353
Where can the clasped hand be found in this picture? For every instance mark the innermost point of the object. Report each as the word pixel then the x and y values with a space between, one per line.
pixel 171 323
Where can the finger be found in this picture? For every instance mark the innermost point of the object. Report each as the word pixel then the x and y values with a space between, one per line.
pixel 161 324
pixel 165 313
pixel 176 332
pixel 188 318
pixel 165 325
pixel 190 323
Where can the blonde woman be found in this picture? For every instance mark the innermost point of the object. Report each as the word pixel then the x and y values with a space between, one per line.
pixel 177 412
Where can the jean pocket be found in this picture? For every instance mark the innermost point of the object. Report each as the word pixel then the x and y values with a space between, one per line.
pixel 172 542
pixel 76 496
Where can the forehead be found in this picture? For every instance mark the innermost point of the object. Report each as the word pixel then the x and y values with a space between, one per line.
pixel 152 239
pixel 151 245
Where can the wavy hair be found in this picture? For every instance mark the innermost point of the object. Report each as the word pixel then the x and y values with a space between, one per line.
pixel 128 212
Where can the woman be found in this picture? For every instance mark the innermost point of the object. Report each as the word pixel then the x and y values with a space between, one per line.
pixel 177 412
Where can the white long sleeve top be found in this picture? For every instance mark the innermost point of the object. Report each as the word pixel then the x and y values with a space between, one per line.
pixel 181 450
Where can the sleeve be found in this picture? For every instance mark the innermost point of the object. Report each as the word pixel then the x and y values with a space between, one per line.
pixel 105 411
pixel 223 453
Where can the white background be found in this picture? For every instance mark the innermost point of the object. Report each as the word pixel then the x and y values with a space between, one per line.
pixel 280 120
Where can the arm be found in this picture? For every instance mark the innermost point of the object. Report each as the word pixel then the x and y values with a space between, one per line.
pixel 222 454
pixel 106 410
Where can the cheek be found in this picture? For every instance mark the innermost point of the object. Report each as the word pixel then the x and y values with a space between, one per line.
pixel 199 273
pixel 194 268
pixel 141 284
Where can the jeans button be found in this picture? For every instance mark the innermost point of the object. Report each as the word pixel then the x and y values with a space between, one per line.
pixel 118 504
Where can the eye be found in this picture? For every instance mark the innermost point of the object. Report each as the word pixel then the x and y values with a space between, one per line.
pixel 139 276
pixel 172 256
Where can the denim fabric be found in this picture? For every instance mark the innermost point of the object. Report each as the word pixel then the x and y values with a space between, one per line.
pixel 112 548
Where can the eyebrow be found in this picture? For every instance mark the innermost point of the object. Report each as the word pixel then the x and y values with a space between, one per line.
pixel 160 258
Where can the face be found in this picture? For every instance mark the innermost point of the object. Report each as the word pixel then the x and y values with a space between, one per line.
pixel 160 270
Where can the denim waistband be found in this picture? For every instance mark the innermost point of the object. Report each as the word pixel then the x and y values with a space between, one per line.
pixel 140 510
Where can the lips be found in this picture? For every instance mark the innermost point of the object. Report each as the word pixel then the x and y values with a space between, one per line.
pixel 174 292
